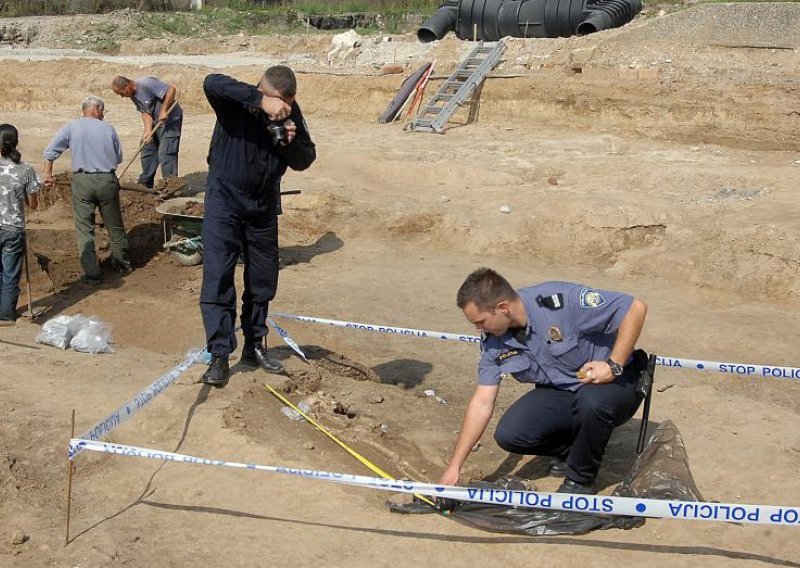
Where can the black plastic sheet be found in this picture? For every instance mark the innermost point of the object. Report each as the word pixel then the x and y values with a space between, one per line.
pixel 661 471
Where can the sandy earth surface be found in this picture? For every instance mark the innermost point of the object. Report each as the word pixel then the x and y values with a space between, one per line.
pixel 640 159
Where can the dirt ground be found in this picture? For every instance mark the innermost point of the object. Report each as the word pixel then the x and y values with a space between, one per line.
pixel 650 159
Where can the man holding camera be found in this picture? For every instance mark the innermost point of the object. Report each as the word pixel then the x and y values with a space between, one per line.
pixel 576 344
pixel 260 131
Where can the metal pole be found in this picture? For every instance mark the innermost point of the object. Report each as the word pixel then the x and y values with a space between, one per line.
pixel 651 372
pixel 69 482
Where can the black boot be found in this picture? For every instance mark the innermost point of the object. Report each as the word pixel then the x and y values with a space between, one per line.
pixel 218 372
pixel 575 488
pixel 254 354
pixel 558 467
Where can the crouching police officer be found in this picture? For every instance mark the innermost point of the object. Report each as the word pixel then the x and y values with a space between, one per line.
pixel 260 131
pixel 575 344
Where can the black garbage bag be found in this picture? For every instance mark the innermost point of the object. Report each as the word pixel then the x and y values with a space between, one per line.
pixel 660 472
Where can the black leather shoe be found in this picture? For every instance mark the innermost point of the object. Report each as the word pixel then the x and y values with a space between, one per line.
pixel 255 355
pixel 575 488
pixel 218 372
pixel 558 467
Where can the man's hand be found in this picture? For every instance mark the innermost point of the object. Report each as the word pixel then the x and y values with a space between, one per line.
pixel 596 372
pixel 449 477
pixel 49 181
pixel 291 131
pixel 275 108
pixel 163 116
pixel 147 137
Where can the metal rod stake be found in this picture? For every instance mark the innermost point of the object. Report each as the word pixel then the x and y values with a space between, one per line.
pixel 69 477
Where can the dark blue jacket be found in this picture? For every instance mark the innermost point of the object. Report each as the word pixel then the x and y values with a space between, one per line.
pixel 242 154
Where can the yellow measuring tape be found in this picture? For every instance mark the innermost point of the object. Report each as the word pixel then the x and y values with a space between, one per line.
pixel 374 468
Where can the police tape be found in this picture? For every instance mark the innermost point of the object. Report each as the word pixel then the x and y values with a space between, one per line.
pixel 745 369
pixel 600 504
pixel 283 334
pixel 142 399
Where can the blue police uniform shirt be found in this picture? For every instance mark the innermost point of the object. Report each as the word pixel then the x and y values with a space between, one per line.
pixel 557 341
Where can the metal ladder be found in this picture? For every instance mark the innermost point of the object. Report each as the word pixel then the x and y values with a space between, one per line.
pixel 465 81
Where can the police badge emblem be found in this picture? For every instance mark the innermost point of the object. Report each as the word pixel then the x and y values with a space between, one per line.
pixel 591 298
pixel 555 333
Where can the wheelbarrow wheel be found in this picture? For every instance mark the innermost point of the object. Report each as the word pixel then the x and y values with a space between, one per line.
pixel 191 259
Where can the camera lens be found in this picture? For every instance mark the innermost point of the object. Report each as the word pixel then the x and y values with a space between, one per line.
pixel 278 132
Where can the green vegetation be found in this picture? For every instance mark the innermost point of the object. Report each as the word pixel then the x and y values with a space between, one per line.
pixel 272 8
pixel 227 17
pixel 382 7
pixel 211 22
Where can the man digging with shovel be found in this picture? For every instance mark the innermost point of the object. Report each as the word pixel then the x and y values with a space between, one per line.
pixel 162 118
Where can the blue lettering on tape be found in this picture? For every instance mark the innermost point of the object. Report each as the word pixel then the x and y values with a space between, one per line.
pixel 668 362
pixel 736 369
pixel 780 372
pixel 785 516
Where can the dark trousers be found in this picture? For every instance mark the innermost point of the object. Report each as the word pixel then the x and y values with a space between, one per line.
pixel 162 150
pixel 12 252
pixel 552 422
pixel 97 191
pixel 235 224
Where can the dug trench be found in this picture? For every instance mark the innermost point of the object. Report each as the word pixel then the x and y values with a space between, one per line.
pixel 51 235
pixel 385 421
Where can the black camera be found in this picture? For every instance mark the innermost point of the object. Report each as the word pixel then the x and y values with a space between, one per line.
pixel 278 132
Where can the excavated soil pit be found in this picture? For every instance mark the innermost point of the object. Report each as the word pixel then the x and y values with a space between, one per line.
pixel 348 399
pixel 51 234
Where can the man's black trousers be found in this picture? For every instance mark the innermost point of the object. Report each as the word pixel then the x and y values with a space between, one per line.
pixel 235 223
pixel 576 425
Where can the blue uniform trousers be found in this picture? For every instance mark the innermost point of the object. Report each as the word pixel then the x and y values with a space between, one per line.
pixel 552 422
pixel 237 222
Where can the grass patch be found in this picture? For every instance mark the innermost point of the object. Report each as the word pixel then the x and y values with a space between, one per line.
pixel 382 7
pixel 231 17
pixel 206 23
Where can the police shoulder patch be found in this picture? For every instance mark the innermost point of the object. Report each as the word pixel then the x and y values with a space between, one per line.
pixel 591 298
pixel 505 355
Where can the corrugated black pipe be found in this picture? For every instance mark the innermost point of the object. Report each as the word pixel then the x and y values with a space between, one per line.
pixel 440 23
pixel 606 14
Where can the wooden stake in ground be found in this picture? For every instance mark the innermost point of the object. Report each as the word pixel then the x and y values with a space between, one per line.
pixel 31 314
pixel 69 479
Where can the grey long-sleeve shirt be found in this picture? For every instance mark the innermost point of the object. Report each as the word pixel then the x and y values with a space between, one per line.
pixel 93 144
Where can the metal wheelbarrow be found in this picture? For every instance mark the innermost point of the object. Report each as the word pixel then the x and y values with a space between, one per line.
pixel 182 231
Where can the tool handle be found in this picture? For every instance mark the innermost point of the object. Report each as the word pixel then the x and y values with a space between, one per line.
pixel 160 123
pixel 137 189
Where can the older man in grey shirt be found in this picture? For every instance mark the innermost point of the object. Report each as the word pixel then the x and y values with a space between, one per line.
pixel 96 153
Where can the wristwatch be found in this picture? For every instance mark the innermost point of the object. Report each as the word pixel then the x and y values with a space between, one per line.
pixel 616 368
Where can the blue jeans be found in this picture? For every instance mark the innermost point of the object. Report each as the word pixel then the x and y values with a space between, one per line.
pixel 12 247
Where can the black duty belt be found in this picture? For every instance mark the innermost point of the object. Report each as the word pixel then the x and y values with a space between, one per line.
pixel 80 171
